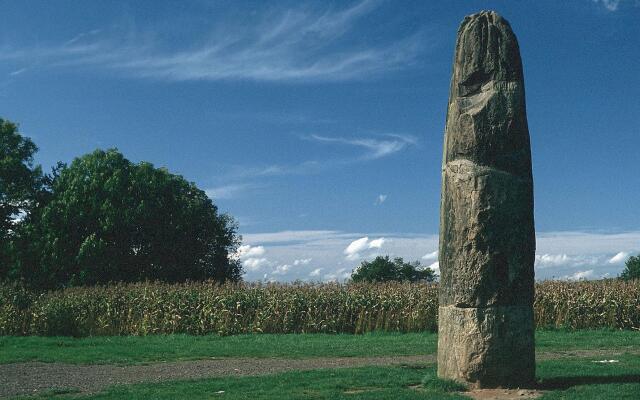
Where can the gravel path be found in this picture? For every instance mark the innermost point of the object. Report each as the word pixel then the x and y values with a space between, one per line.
pixel 34 377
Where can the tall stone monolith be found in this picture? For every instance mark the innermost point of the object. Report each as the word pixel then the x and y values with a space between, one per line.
pixel 487 237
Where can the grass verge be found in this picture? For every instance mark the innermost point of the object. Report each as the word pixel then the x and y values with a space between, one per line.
pixel 142 349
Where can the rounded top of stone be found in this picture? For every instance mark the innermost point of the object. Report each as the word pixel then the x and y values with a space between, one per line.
pixel 486 50
pixel 489 13
pixel 486 17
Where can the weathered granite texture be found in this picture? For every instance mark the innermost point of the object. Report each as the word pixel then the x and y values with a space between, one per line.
pixel 487 237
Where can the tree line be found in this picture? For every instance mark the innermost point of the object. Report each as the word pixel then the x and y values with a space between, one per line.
pixel 103 218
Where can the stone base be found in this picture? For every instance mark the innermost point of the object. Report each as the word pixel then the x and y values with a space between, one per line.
pixel 487 347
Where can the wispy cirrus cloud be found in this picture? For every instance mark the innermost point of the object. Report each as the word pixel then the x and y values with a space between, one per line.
pixel 230 191
pixel 367 149
pixel 302 44
pixel 380 199
pixel 376 147
pixel 611 5
pixel 614 5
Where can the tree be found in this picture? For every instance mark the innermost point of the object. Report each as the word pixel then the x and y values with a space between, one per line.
pixel 383 269
pixel 20 182
pixel 109 219
pixel 632 269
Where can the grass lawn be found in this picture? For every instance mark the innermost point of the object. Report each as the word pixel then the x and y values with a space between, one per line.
pixel 562 379
pixel 134 349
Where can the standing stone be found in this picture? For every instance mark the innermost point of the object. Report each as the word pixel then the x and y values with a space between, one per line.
pixel 487 236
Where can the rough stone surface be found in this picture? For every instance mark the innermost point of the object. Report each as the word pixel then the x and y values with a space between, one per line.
pixel 487 342
pixel 487 237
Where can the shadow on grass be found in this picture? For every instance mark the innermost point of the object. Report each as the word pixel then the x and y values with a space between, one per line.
pixel 565 382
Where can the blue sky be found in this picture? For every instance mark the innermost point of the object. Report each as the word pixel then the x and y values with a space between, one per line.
pixel 319 124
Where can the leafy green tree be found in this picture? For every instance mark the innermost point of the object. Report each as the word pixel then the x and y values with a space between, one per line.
pixel 383 269
pixel 632 269
pixel 20 183
pixel 109 219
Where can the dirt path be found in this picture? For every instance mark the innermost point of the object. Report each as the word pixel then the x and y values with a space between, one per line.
pixel 34 377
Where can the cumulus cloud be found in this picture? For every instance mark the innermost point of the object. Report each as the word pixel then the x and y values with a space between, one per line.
pixel 619 258
pixel 339 275
pixel 581 275
pixel 247 251
pixel 430 256
pixel 250 256
pixel 357 246
pixel 435 267
pixel 302 261
pixel 562 255
pixel 281 269
pixel 255 264
pixel 552 260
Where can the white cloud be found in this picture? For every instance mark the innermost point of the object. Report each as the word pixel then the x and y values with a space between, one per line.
pixel 585 243
pixel 611 5
pixel 302 261
pixel 430 256
pixel 339 275
pixel 247 251
pixel 561 254
pixel 228 191
pixel 281 269
pixel 357 246
pixel 581 275
pixel 380 199
pixel 17 72
pixel 435 267
pixel 302 44
pixel 552 260
pixel 251 257
pixel 375 147
pixel 289 237
pixel 619 258
pixel 255 264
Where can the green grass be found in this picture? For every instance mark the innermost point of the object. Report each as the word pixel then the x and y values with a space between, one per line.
pixel 141 349
pixel 585 379
pixel 433 383
pixel 556 340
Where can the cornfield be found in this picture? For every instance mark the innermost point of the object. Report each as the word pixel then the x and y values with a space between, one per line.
pixel 206 308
